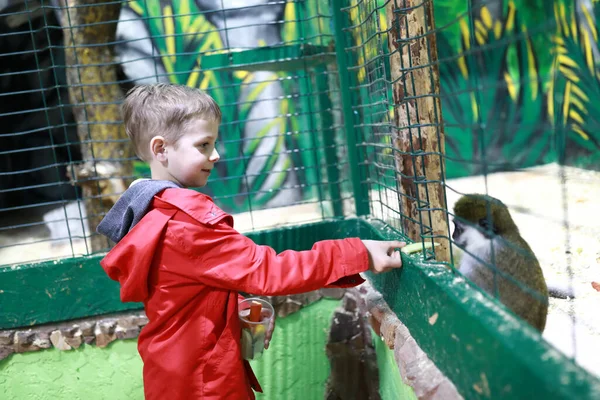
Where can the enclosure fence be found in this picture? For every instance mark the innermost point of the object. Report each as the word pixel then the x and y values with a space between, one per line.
pixel 385 111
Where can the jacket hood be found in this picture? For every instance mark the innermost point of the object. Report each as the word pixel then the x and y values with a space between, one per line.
pixel 130 260
pixel 131 207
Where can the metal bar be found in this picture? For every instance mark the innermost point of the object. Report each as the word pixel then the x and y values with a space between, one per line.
pixel 328 138
pixel 360 196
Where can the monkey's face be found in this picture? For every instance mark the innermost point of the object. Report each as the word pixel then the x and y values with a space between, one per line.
pixel 458 231
pixel 465 235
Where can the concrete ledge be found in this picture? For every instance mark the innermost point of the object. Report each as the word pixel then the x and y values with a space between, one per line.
pixel 416 369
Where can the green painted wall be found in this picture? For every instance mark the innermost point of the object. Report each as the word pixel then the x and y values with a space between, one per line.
pixel 391 386
pixel 294 367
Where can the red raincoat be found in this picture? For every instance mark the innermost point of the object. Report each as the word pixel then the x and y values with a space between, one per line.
pixel 186 263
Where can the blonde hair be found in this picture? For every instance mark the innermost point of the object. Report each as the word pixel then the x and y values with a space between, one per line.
pixel 164 109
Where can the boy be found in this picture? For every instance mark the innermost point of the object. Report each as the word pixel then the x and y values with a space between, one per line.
pixel 178 253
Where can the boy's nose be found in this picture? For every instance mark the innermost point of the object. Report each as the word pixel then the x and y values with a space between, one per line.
pixel 214 157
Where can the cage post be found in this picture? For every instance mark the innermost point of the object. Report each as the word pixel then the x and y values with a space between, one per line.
pixel 360 194
pixel 327 131
pixel 90 31
pixel 418 137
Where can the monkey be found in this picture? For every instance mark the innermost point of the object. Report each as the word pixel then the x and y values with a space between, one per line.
pixel 483 223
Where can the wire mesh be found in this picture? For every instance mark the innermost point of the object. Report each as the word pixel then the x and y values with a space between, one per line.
pixel 269 65
pixel 514 121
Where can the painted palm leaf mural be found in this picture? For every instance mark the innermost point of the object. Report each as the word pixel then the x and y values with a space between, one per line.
pixel 492 96
pixel 574 96
pixel 264 112
pixel 508 101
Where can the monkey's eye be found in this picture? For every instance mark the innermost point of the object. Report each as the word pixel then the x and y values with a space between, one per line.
pixel 485 223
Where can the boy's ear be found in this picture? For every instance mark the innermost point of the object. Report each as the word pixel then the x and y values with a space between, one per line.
pixel 158 147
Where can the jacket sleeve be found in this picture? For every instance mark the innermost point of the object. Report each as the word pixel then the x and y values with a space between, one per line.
pixel 222 257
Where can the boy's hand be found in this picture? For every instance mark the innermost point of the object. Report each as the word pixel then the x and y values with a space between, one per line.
pixel 382 255
pixel 269 332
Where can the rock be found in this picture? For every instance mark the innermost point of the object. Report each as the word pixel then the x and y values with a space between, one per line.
pixel 333 293
pixel 6 337
pixel 87 328
pixel 288 307
pixel 42 340
pixel 139 320
pixel 74 337
pixel 309 297
pixel 127 332
pixel 275 300
pixel 105 333
pixel 6 351
pixel 23 341
pixel 58 341
pixel 89 339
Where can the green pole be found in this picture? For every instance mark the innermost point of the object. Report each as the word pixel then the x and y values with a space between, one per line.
pixel 360 193
pixel 327 134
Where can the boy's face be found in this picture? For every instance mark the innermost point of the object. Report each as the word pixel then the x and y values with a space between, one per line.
pixel 192 158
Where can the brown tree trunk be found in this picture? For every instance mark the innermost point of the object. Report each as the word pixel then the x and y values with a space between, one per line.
pixel 418 136
pixel 94 92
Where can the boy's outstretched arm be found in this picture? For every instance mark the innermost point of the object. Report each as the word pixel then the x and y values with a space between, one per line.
pixel 227 259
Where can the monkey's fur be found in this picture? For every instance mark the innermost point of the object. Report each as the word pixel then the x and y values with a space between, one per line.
pixel 475 232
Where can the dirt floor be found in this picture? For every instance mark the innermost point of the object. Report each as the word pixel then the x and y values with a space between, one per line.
pixel 535 198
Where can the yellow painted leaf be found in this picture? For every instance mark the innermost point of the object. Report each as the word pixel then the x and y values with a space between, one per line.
pixel 169 26
pixel 184 15
pixel 486 17
pixel 566 102
pixel 480 28
pixel 194 76
pixel 510 85
pixel 563 18
pixel 533 78
pixel 577 103
pixel 463 67
pixel 480 38
pixel 241 75
pixel 136 7
pixel 474 107
pixel 580 132
pixel 589 56
pixel 559 50
pixel 497 29
pixel 590 23
pixel 464 30
pixel 208 75
pixel 550 101
pixel 580 93
pixel 566 60
pixel 510 20
pixel 569 74
pixel 576 116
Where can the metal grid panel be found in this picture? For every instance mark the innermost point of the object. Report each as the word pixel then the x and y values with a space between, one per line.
pixel 269 65
pixel 513 118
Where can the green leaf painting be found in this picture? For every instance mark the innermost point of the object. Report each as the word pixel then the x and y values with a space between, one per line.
pixel 519 80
